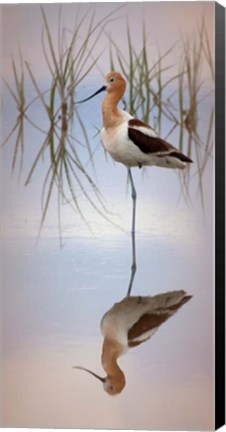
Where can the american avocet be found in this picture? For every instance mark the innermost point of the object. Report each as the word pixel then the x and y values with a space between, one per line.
pixel 129 323
pixel 132 142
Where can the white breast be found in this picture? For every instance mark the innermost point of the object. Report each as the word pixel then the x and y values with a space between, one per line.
pixel 117 143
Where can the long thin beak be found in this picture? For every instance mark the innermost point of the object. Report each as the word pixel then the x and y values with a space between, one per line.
pixel 103 380
pixel 94 94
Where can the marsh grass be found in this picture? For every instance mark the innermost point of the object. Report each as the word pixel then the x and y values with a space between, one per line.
pixel 197 145
pixel 69 61
pixel 162 92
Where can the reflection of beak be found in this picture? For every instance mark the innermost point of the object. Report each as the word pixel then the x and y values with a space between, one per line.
pixel 94 94
pixel 103 380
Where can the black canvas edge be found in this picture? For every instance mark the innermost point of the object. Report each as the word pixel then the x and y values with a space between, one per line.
pixel 219 215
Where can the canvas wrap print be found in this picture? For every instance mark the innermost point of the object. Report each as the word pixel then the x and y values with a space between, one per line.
pixel 112 283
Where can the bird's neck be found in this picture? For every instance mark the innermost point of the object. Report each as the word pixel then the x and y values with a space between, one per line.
pixel 111 350
pixel 110 111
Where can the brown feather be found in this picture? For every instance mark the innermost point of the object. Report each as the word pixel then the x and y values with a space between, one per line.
pixel 138 123
pixel 151 321
pixel 147 322
pixel 148 144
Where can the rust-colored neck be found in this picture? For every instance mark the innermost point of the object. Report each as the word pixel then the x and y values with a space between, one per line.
pixel 111 113
pixel 111 350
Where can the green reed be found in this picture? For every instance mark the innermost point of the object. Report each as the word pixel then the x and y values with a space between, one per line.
pixel 152 99
pixel 69 61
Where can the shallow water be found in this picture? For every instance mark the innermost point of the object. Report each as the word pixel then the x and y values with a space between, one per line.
pixel 53 301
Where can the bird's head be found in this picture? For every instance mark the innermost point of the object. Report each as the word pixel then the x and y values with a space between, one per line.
pixel 114 83
pixel 113 385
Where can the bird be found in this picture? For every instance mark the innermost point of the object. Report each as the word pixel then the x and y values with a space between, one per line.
pixel 129 323
pixel 128 140
pixel 132 142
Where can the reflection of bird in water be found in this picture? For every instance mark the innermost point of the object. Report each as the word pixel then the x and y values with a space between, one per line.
pixel 129 323
pixel 132 142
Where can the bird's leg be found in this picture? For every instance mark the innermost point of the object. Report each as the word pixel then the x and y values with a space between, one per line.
pixel 134 265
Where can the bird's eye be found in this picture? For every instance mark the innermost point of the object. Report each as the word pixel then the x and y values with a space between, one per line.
pixel 112 79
